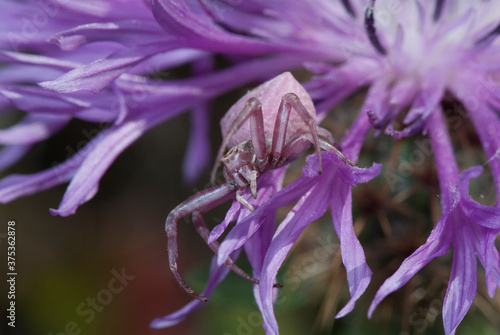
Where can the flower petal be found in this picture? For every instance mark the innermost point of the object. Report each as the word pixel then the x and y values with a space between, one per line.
pixel 485 216
pixel 268 329
pixel 493 273
pixel 247 227
pixel 128 33
pixel 15 185
pixel 32 129
pixel 446 165
pixel 310 207
pixel 487 125
pixel 197 157
pixel 268 184
pixel 218 230
pixel 437 244
pixel 97 75
pixel 426 101
pixel 103 150
pixel 377 103
pixel 353 256
pixel 462 285
pixel 255 249
pixel 201 32
pixel 13 57
pixel 490 259
pixel 336 83
pixel 37 100
pixel 20 74
pixel 257 246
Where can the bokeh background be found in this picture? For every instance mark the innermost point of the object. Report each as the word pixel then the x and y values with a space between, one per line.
pixel 63 262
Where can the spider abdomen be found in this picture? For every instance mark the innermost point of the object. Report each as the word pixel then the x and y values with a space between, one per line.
pixel 270 95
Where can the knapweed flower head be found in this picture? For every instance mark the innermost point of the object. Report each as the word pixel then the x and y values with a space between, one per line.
pixel 100 66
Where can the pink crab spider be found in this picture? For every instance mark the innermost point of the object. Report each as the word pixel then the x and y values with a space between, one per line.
pixel 263 134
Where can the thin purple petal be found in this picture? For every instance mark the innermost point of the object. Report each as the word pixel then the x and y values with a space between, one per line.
pixel 96 76
pixel 198 151
pixel 32 129
pixel 310 207
pixel 437 244
pixel 15 185
pixel 247 227
pixel 462 285
pixel 353 256
pixel 201 32
pixel 484 216
pixel 128 33
pixel 218 230
pixel 103 151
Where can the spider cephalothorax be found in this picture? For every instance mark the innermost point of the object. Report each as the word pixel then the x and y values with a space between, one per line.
pixel 241 165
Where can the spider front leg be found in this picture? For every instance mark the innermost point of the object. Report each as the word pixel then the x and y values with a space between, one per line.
pixel 292 148
pixel 197 204
pixel 288 102
pixel 252 111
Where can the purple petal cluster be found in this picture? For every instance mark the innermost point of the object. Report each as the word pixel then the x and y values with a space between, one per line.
pixel 97 68
pixel 467 225
pixel 97 60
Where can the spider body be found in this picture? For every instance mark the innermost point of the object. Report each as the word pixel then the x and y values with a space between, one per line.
pixel 269 94
pixel 261 133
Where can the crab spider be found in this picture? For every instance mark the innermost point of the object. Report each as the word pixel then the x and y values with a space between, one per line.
pixel 262 134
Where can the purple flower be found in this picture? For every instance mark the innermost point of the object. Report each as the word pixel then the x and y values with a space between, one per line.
pixel 467 225
pixel 317 192
pixel 102 55
pixel 123 97
pixel 409 55
pixel 267 248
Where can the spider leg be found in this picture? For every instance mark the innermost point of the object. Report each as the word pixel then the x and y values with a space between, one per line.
pixel 242 200
pixel 288 102
pixel 200 202
pixel 250 175
pixel 252 111
pixel 290 149
pixel 204 232
pixel 326 134
pixel 330 145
